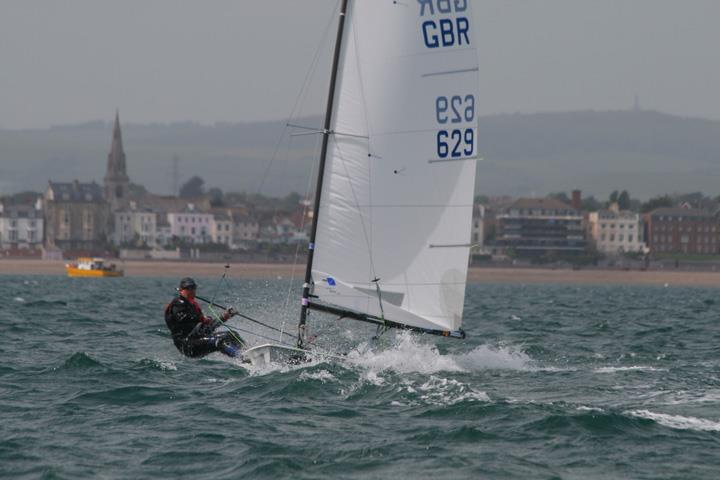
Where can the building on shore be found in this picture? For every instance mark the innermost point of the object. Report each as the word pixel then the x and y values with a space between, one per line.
pixel 477 237
pixel 21 225
pixel 135 227
pixel 80 216
pixel 246 229
pixel 191 226
pixel 534 227
pixel 682 230
pixel 76 216
pixel 616 232
pixel 221 229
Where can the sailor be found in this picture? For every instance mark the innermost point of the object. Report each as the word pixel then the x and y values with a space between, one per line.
pixel 193 333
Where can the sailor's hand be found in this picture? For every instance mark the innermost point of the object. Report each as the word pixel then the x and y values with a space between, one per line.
pixel 215 323
pixel 229 313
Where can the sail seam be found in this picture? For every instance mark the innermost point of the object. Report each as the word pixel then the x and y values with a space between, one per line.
pixel 420 130
pixel 436 52
pixel 451 72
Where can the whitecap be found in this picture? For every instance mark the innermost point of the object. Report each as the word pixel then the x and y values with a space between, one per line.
pixel 678 422
pixel 486 357
pixel 407 355
pixel 166 365
pixel 323 375
pixel 410 355
pixel 447 391
pixel 19 299
pixel 639 368
pixel 583 408
pixel 685 397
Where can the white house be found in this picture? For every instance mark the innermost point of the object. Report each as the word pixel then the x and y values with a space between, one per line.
pixel 191 226
pixel 135 226
pixel 616 231
pixel 245 229
pixel 221 229
pixel 21 226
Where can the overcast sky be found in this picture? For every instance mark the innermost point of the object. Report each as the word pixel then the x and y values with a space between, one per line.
pixel 65 62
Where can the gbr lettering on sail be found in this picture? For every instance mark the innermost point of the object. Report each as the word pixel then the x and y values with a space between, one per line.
pixel 445 25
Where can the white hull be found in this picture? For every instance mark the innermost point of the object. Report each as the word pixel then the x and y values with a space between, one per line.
pixel 266 354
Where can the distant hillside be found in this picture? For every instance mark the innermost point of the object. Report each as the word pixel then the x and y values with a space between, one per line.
pixel 646 153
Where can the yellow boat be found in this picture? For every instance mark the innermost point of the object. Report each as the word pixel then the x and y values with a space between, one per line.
pixel 92 267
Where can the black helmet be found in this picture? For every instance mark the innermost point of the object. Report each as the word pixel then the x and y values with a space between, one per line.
pixel 187 282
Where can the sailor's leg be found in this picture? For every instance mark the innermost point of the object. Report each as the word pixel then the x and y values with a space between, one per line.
pixel 199 346
pixel 229 345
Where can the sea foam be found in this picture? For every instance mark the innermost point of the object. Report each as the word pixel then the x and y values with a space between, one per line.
pixel 678 422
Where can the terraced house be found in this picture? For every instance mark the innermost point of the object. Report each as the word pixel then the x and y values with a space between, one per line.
pixel 682 230
pixel 21 225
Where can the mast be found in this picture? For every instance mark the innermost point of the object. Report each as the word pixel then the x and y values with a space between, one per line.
pixel 321 174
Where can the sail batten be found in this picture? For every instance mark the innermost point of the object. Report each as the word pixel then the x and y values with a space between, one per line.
pixel 407 88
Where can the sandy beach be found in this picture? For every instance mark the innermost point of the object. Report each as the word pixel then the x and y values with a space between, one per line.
pixel 475 275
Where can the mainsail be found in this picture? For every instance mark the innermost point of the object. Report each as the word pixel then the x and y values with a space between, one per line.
pixel 395 212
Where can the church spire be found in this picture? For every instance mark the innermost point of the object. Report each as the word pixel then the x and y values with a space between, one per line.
pixel 116 158
pixel 116 179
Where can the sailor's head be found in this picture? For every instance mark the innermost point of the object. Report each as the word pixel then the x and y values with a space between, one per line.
pixel 187 287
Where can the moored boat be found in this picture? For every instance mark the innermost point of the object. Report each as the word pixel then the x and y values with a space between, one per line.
pixel 92 267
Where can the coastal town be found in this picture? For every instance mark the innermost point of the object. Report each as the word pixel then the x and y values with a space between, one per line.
pixel 118 218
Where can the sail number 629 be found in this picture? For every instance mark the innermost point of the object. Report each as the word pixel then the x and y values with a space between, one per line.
pixel 456 143
pixel 453 110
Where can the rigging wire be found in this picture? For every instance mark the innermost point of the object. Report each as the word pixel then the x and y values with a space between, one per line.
pixel 300 97
pixel 297 247
pixel 298 105
pixel 212 303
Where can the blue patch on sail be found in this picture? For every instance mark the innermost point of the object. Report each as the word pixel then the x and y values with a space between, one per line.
pixel 331 281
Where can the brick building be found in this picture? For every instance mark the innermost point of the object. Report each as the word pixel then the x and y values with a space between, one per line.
pixel 682 230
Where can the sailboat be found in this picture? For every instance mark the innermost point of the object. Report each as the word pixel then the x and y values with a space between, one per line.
pixel 392 215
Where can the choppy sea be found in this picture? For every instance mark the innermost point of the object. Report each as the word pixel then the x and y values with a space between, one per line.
pixel 553 382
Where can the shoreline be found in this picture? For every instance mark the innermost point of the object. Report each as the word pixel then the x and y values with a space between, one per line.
pixel 481 275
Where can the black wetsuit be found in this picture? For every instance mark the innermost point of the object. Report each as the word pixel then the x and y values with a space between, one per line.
pixel 192 333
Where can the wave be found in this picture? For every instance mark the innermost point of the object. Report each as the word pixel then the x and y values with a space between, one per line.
pixel 486 357
pixel 409 355
pixel 406 355
pixel 126 395
pixel 684 397
pixel 634 368
pixel 444 391
pixel 42 303
pixel 156 364
pixel 322 376
pixel 81 361
pixel 677 422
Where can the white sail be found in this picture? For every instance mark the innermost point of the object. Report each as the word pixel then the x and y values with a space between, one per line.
pixel 397 195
